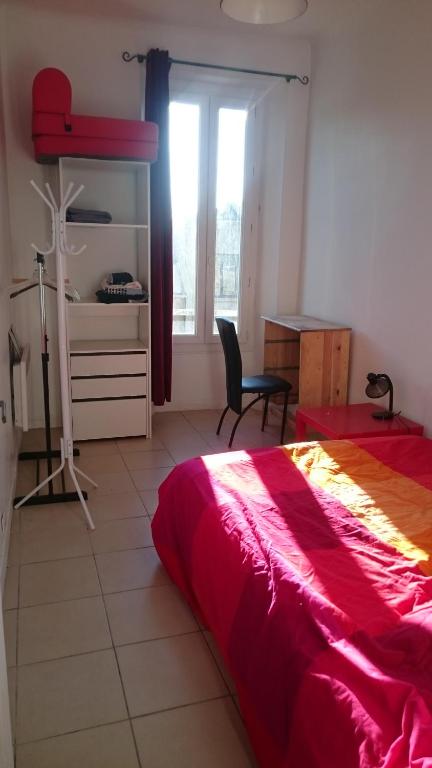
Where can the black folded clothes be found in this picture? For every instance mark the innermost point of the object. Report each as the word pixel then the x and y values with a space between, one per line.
pixel 120 288
pixel 84 216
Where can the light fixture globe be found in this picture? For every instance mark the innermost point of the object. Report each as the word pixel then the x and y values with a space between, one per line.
pixel 263 11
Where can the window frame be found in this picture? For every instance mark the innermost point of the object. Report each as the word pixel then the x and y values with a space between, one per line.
pixel 206 216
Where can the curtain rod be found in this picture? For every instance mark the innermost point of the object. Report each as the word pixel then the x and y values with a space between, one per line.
pixel 141 57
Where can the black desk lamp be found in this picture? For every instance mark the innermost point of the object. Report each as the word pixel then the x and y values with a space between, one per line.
pixel 378 386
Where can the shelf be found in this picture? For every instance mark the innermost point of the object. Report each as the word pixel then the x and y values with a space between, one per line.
pixel 116 163
pixel 89 301
pixel 96 225
pixel 91 346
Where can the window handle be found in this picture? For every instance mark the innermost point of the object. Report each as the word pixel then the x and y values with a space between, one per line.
pixel 3 411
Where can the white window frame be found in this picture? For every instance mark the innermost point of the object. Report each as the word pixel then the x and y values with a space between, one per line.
pixel 206 217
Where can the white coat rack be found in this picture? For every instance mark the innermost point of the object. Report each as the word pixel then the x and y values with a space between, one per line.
pixel 60 247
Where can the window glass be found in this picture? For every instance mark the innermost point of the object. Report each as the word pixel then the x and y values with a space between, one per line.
pixel 184 167
pixel 229 209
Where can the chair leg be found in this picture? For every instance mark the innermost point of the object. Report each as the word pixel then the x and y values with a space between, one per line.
pixel 221 419
pixel 240 417
pixel 284 418
pixel 264 418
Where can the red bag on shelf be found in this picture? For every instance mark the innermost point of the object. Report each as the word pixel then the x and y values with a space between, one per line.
pixel 58 133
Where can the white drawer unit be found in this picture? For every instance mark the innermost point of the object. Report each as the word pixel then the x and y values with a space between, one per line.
pixel 95 388
pixel 98 419
pixel 109 344
pixel 109 388
pixel 104 364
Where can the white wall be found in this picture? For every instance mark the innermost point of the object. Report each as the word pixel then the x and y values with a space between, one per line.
pixel 88 50
pixel 283 117
pixel 7 437
pixel 8 441
pixel 368 232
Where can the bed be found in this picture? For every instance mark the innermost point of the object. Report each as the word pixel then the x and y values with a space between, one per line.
pixel 311 565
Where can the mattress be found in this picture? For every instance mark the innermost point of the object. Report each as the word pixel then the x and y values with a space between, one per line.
pixel 57 132
pixel 311 564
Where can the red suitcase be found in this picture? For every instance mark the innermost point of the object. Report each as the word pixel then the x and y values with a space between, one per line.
pixel 58 133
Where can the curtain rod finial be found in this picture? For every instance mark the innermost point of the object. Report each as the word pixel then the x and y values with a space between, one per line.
pixel 140 57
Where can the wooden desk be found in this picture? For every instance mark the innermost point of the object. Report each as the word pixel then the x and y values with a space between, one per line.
pixel 312 354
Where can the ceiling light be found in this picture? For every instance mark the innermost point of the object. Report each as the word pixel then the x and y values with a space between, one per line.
pixel 263 11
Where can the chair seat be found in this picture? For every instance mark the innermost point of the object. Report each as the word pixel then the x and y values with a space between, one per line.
pixel 268 385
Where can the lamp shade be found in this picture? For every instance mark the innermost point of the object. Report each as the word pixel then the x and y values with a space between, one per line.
pixel 263 11
pixel 378 385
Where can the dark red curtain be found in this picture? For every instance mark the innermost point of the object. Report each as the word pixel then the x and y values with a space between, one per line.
pixel 156 111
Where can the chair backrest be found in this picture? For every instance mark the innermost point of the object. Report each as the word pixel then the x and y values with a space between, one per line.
pixel 233 362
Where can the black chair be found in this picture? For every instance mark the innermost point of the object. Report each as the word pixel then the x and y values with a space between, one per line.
pixel 238 385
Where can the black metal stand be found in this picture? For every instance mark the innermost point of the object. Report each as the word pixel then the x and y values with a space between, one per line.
pixel 48 454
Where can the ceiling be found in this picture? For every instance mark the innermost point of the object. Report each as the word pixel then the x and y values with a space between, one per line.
pixel 206 13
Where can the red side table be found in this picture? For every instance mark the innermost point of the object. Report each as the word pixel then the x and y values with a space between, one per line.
pixel 347 421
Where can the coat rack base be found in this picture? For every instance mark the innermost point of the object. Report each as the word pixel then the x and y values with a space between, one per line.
pixel 35 455
pixel 51 498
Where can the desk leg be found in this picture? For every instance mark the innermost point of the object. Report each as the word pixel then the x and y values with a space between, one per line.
pixel 300 429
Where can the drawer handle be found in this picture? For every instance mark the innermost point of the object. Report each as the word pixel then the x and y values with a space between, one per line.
pixel 102 399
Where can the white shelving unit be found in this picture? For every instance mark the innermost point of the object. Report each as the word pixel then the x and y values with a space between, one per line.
pixel 109 344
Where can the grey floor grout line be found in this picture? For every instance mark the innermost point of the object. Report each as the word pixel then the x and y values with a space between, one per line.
pixel 94 594
pixel 69 733
pixel 107 647
pixel 119 670
pixel 103 594
pixel 124 720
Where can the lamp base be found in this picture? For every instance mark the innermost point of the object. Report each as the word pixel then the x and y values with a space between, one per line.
pixel 382 415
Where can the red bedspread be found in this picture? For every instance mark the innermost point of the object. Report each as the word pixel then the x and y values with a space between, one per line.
pixel 309 564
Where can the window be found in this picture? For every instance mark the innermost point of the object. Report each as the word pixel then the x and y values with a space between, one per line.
pixel 229 211
pixel 207 163
pixel 184 166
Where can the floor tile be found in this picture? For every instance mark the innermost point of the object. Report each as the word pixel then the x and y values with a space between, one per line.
pixel 42 519
pixel 133 569
pixel 148 459
pixel 15 520
pixel 150 499
pixel 219 661
pixel 14 549
pixel 66 695
pixel 62 629
pixel 208 734
pixel 216 441
pixel 10 619
pixel 12 675
pixel 116 506
pixel 54 544
pixel 168 419
pixel 27 478
pixel 10 597
pixel 116 535
pixel 165 431
pixel 96 464
pixel 206 420
pixel 58 580
pixel 176 670
pixel 147 614
pixel 108 746
pixel 107 482
pixel 185 447
pixel 97 448
pixel 145 479
pixel 131 444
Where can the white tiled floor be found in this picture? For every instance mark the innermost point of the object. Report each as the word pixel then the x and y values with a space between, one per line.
pixel 108 666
